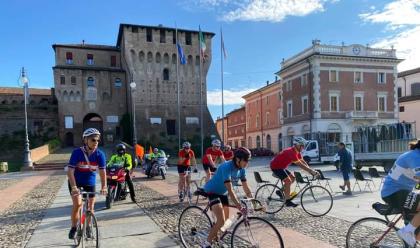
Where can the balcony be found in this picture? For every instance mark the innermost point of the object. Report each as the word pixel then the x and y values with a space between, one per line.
pixel 362 115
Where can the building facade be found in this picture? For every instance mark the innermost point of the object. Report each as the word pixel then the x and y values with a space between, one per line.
pixel 409 97
pixel 222 122
pixel 263 111
pixel 236 125
pixel 93 86
pixel 331 91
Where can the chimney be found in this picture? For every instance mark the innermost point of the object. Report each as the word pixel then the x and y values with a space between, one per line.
pixel 268 82
pixel 275 78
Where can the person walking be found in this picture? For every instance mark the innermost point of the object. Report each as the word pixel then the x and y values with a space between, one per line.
pixel 346 162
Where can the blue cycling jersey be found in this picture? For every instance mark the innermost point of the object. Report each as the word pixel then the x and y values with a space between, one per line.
pixel 401 176
pixel 225 173
pixel 85 171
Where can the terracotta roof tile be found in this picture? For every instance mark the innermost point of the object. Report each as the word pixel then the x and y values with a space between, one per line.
pixel 19 91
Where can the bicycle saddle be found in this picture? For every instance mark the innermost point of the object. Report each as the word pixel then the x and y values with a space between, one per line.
pixel 200 191
pixel 385 209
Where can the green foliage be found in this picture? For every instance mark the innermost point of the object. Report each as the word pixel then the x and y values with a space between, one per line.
pixel 127 128
pixel 53 144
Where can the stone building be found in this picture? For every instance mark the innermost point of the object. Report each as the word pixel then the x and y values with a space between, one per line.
pixel 331 91
pixel 92 86
pixel 263 117
pixel 41 109
pixel 409 97
pixel 236 125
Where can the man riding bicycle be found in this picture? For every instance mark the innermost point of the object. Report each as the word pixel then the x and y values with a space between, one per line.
pixel 398 186
pixel 185 156
pixel 123 159
pixel 81 173
pixel 220 187
pixel 281 162
pixel 210 157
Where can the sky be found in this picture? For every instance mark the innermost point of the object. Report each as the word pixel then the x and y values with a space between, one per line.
pixel 257 34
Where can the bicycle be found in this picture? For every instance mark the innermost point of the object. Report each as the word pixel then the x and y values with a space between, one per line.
pixel 191 188
pixel 315 200
pixel 87 233
pixel 194 224
pixel 376 232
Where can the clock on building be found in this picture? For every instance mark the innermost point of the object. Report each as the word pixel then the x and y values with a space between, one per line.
pixel 356 50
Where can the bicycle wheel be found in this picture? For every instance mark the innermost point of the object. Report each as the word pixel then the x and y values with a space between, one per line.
pixel 371 232
pixel 271 196
pixel 92 231
pixel 256 232
pixel 193 226
pixel 193 188
pixel 316 200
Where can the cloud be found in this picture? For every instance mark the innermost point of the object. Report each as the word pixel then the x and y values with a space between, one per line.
pixel 262 10
pixel 402 19
pixel 231 97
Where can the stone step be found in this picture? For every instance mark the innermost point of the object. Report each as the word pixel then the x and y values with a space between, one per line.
pixel 49 166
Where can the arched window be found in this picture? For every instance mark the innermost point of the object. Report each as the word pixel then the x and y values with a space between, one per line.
pixel 268 138
pixel 166 58
pixel 149 57
pixel 141 56
pixel 90 82
pixel 158 58
pixel 166 74
pixel 249 142
pixel 174 58
pixel 258 141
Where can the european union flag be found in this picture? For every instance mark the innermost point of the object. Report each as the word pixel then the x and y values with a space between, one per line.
pixel 181 55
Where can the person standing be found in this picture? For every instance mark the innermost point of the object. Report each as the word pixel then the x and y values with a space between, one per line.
pixel 346 162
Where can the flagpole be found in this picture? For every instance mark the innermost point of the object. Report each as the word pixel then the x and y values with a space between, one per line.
pixel 177 86
pixel 201 93
pixel 221 68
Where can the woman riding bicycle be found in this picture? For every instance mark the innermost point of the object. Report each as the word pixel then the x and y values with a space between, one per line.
pixel 398 186
pixel 185 156
pixel 81 173
pixel 220 186
pixel 210 156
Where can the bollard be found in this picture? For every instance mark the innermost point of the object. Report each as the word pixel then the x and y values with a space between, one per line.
pixel 4 167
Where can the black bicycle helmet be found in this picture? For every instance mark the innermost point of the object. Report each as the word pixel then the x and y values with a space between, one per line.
pixel 120 148
pixel 242 153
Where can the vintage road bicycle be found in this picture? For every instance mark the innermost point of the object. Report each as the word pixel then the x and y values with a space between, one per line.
pixel 87 234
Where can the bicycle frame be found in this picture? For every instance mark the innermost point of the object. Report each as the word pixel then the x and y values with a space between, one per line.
pixel 391 225
pixel 307 185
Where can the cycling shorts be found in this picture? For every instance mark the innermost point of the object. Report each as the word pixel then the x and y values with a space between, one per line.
pixel 182 169
pixel 216 199
pixel 209 167
pixel 87 188
pixel 283 173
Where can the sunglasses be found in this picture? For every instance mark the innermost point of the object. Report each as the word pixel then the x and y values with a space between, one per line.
pixel 95 140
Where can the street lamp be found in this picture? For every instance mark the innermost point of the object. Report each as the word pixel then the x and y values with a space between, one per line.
pixel 133 89
pixel 27 161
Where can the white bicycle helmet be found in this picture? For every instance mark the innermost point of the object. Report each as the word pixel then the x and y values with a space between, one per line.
pixel 186 144
pixel 299 141
pixel 216 142
pixel 90 131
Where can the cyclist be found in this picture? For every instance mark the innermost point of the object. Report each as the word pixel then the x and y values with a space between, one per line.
pixel 399 183
pixel 227 152
pixel 123 159
pixel 281 162
pixel 210 156
pixel 81 173
pixel 220 187
pixel 185 156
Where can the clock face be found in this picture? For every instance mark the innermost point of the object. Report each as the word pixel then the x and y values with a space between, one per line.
pixel 356 50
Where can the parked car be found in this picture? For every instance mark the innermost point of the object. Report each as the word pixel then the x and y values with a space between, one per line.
pixel 259 152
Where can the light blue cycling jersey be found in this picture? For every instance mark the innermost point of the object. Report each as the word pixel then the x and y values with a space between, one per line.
pixel 226 172
pixel 401 176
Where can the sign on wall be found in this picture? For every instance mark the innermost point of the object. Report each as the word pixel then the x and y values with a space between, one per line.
pixel 112 119
pixel 68 122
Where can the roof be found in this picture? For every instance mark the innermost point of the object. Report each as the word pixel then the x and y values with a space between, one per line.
pixel 122 25
pixel 409 72
pixel 409 98
pixel 261 89
pixel 236 110
pixel 19 91
pixel 87 46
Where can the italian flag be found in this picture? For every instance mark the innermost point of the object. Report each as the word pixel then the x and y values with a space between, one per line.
pixel 202 42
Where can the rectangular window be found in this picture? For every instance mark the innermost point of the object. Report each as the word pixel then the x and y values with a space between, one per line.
pixel 170 127
pixel 73 80
pixel 192 120
pixel 304 104
pixel 257 121
pixel 89 59
pixel 334 76
pixel 68 122
pixel 113 60
pixel 381 103
pixel 333 103
pixel 358 77
pixel 381 77
pixel 149 37
pixel 279 116
pixel 134 29
pixel 267 118
pixel 162 36
pixel 399 92
pixel 62 80
pixel 155 120
pixel 402 109
pixel 266 100
pixel 188 38
pixel 358 103
pixel 303 80
pixel 289 108
pixel 173 37
pixel 69 58
pixel 279 95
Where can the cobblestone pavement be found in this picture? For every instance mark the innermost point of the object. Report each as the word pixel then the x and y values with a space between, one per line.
pixel 166 213
pixel 19 220
pixel 4 183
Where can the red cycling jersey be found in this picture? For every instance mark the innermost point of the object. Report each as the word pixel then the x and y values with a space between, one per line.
pixel 183 154
pixel 228 155
pixel 285 158
pixel 213 153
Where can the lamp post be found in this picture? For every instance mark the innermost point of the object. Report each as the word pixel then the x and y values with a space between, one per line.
pixel 27 161
pixel 133 89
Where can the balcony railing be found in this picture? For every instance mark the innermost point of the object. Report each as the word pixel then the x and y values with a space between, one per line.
pixel 362 114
